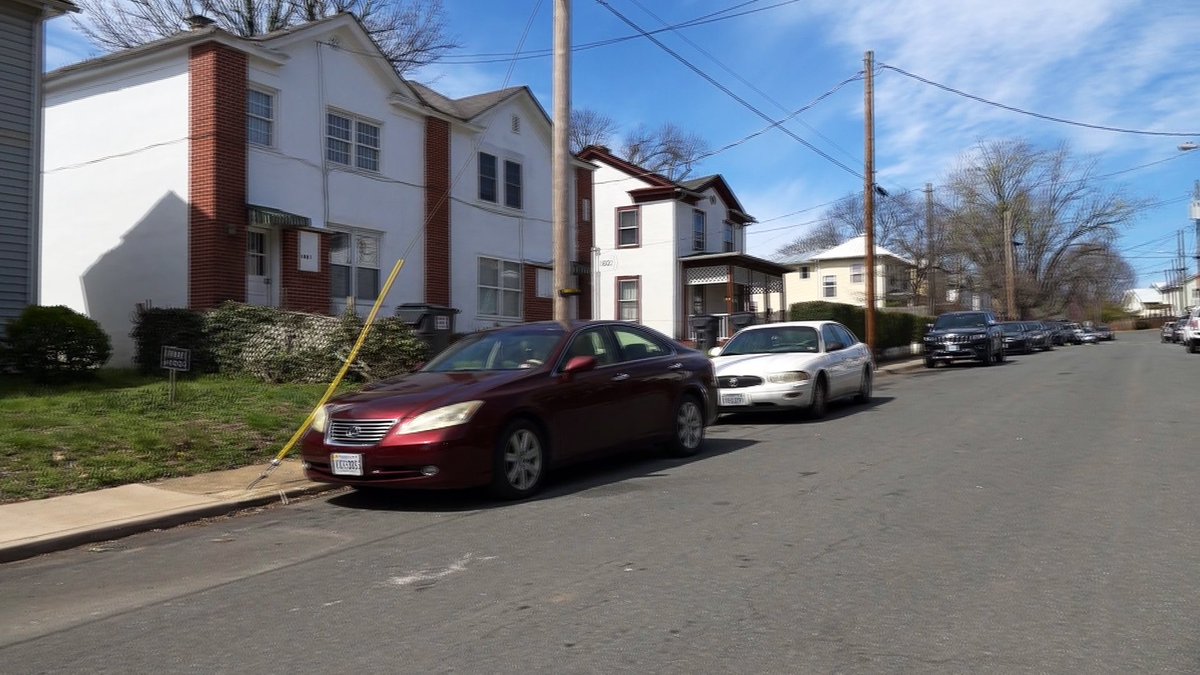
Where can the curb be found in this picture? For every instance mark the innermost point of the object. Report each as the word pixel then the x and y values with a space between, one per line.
pixel 136 525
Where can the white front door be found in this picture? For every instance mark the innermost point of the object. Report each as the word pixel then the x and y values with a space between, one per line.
pixel 258 267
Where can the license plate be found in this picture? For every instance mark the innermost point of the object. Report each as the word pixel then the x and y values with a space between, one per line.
pixel 951 348
pixel 346 464
pixel 735 399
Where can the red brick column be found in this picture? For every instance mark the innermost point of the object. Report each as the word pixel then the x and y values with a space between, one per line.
pixel 216 176
pixel 584 238
pixel 303 291
pixel 437 211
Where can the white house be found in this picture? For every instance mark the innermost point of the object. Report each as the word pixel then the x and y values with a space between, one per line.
pixel 291 170
pixel 839 275
pixel 667 251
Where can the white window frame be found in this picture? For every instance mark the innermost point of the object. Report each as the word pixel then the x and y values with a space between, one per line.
pixel 545 282
pixel 699 229
pixel 829 286
pixel 636 227
pixel 494 178
pixel 500 288
pixel 360 155
pixel 356 258
pixel 856 273
pixel 805 272
pixel 269 121
pixel 520 183
pixel 635 302
pixel 730 242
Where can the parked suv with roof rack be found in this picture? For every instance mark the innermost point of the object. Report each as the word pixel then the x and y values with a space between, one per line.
pixel 955 336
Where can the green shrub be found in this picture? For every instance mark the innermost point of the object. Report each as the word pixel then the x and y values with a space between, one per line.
pixel 56 343
pixel 176 327
pixel 892 329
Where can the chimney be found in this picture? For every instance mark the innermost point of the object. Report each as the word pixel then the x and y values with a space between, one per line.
pixel 196 21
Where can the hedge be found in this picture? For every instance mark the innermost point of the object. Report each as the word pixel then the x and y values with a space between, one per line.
pixel 892 329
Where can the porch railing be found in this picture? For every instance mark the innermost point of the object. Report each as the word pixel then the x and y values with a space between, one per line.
pixel 726 328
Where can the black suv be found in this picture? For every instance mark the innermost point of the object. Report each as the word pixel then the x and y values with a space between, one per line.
pixel 964 335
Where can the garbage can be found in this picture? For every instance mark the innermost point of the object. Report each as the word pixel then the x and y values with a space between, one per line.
pixel 432 323
pixel 739 320
pixel 706 327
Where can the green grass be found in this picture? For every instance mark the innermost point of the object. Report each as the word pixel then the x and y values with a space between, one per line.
pixel 120 428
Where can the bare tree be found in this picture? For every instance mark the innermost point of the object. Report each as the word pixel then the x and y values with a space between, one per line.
pixel 1061 220
pixel 410 33
pixel 589 127
pixel 667 150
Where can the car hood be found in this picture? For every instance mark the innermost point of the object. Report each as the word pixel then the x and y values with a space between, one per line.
pixel 417 392
pixel 958 331
pixel 761 364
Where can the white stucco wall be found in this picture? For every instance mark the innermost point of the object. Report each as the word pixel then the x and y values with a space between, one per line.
pixel 115 191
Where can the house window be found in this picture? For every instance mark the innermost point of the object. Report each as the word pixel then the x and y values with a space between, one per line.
pixel 628 295
pixel 830 285
pixel 354 265
pixel 487 177
pixel 729 245
pixel 856 273
pixel 260 118
pixel 586 210
pixel 698 218
pixel 351 142
pixel 256 253
pixel 628 229
pixel 512 184
pixel 545 283
pixel 499 288
pixel 804 272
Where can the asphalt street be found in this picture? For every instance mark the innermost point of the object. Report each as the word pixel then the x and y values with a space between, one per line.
pixel 1036 516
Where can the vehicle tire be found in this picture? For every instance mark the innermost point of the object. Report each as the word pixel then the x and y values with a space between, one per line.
pixel 864 386
pixel 990 357
pixel 820 401
pixel 1194 347
pixel 688 430
pixel 1001 357
pixel 1028 348
pixel 929 362
pixel 519 461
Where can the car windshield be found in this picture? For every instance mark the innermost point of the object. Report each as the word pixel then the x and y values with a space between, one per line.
pixel 497 350
pixel 783 339
pixel 1011 328
pixel 960 321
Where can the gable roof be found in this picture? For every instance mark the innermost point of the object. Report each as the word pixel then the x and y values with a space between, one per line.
pixel 471 107
pixel 856 247
pixel 1145 295
pixel 54 7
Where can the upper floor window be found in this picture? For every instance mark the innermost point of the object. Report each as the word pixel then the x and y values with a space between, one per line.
pixel 829 283
pixel 354 265
pixel 499 288
pixel 489 181
pixel 729 234
pixel 260 118
pixel 698 230
pixel 351 142
pixel 512 184
pixel 628 227
pixel 804 272
pixel 856 273
pixel 487 177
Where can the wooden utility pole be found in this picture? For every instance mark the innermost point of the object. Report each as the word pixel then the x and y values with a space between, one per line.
pixel 869 194
pixel 930 270
pixel 1009 271
pixel 561 158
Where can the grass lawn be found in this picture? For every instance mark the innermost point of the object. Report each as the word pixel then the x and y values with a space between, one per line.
pixel 119 428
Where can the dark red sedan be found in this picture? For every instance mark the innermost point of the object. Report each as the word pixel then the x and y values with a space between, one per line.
pixel 503 406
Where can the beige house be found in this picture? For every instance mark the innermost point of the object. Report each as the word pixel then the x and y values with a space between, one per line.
pixel 839 275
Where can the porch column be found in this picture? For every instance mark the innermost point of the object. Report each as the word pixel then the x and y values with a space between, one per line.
pixel 729 289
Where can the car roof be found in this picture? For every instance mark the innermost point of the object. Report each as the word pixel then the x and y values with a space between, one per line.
pixel 786 324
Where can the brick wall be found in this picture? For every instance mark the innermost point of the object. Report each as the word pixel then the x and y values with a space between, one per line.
pixel 437 211
pixel 216 176
pixel 536 309
pixel 584 238
pixel 303 291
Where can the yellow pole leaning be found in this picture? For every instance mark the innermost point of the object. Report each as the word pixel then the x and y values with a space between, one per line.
pixel 333 385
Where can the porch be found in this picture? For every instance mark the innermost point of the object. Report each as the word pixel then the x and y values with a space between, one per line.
pixel 727 285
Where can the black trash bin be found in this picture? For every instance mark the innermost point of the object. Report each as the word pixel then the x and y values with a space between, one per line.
pixel 706 327
pixel 432 323
pixel 739 320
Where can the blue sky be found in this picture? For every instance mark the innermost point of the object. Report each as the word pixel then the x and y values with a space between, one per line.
pixel 1119 63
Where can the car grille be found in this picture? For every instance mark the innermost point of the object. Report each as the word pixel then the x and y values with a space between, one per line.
pixel 955 339
pixel 357 432
pixel 736 381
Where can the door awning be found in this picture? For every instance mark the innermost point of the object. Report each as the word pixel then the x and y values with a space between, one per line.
pixel 267 216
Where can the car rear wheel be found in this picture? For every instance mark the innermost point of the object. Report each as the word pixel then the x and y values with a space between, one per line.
pixel 1001 357
pixel 689 428
pixel 864 386
pixel 929 362
pixel 820 401
pixel 519 463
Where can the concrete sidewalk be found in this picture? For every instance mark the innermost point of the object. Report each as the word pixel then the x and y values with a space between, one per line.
pixel 41 526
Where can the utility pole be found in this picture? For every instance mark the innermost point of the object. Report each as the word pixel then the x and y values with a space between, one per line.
pixel 1196 219
pixel 1009 272
pixel 869 195
pixel 931 278
pixel 561 154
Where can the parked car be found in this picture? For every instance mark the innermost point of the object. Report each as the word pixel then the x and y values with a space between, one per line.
pixel 1168 331
pixel 1017 340
pixel 1190 335
pixel 502 407
pixel 1103 332
pixel 1074 331
pixel 1058 332
pixel 1039 335
pixel 792 365
pixel 1086 336
pixel 1180 325
pixel 964 335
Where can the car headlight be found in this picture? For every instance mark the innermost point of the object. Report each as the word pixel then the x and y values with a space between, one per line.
pixel 980 338
pixel 787 376
pixel 321 419
pixel 440 418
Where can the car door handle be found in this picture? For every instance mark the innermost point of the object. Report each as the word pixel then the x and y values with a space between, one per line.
pixel 675 366
pixel 620 378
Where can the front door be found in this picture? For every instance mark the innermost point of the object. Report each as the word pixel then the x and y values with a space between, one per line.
pixel 258 267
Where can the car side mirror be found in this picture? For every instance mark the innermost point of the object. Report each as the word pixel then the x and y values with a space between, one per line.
pixel 834 346
pixel 715 351
pixel 580 364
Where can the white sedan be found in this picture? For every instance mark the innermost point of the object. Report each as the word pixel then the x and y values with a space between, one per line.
pixel 790 366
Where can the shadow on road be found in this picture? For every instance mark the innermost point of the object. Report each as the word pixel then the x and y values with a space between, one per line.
pixel 837 410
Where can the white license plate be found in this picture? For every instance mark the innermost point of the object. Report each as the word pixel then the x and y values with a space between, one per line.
pixel 735 399
pixel 346 464
pixel 951 348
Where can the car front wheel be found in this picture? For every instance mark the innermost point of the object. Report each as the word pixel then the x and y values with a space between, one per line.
pixel 820 400
pixel 689 428
pixel 519 463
